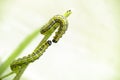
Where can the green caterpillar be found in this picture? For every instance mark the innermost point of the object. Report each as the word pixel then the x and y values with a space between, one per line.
pixel 58 21
pixel 63 24
pixel 19 63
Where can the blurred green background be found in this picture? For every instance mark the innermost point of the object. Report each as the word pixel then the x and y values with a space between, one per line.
pixel 88 51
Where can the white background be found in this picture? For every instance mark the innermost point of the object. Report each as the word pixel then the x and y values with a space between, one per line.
pixel 88 51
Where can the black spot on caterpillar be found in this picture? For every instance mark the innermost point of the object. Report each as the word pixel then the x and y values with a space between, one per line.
pixel 63 24
pixel 19 63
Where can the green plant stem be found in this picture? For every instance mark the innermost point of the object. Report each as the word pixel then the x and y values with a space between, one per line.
pixel 19 74
pixel 17 51
pixel 6 75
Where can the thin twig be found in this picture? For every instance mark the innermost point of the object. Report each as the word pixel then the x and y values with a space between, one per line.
pixel 6 75
pixel 19 74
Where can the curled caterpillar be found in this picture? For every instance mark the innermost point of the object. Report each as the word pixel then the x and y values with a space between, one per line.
pixel 63 24
pixel 19 63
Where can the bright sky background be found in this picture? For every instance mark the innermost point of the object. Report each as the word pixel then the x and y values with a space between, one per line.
pixel 88 51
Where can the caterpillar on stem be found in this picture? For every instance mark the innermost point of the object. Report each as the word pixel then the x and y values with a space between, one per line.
pixel 59 21
pixel 19 63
